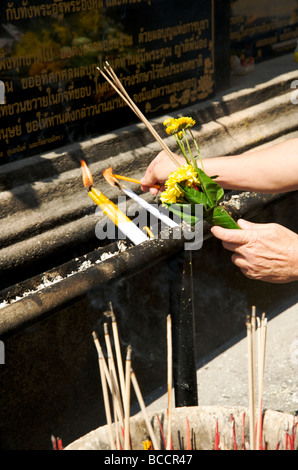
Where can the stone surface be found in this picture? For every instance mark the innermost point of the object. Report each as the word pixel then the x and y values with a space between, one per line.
pixel 202 425
pixel 50 383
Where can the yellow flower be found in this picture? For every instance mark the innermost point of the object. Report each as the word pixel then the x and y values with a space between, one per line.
pixel 175 126
pixel 147 444
pixel 173 193
pixel 186 122
pixel 168 121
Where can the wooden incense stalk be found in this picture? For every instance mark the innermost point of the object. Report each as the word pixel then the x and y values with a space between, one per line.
pixel 105 395
pixel 119 410
pixel 250 325
pixel 250 388
pixel 169 379
pixel 114 81
pixel 118 354
pixel 262 324
pixel 111 362
pixel 144 411
pixel 127 399
pixel 115 386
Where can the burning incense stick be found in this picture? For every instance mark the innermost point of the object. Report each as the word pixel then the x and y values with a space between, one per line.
pixel 108 174
pixel 169 379
pixel 125 225
pixel 153 210
pixel 114 81
pixel 143 408
pixel 127 399
pixel 111 179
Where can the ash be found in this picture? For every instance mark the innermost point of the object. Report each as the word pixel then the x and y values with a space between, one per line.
pixel 46 282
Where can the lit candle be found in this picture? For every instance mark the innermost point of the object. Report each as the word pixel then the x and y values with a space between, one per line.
pixel 125 225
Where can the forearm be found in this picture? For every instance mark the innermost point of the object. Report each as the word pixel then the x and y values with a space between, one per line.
pixel 273 169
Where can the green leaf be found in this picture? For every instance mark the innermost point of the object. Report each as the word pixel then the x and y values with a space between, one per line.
pixel 194 196
pixel 185 212
pixel 213 190
pixel 223 219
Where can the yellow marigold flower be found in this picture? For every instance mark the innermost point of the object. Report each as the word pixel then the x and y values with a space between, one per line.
pixel 172 128
pixel 186 174
pixel 185 122
pixel 168 121
pixel 175 126
pixel 147 445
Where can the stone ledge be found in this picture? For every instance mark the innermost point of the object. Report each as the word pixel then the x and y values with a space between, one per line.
pixel 45 210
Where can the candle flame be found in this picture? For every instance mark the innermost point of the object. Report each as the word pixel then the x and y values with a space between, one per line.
pixel 110 177
pixel 86 173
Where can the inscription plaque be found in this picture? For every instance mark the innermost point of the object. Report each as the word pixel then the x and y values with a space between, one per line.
pixel 162 50
pixel 263 29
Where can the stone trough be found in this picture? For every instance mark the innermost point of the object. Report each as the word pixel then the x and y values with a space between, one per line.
pixel 202 424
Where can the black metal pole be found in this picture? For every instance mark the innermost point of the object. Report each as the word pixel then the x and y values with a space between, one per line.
pixel 183 329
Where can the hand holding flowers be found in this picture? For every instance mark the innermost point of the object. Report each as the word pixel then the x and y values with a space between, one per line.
pixel 189 185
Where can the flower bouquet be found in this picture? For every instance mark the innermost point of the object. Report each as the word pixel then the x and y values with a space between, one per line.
pixel 189 185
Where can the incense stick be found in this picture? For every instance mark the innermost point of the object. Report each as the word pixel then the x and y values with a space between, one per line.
pixel 153 210
pixel 134 180
pixel 251 387
pixel 127 399
pixel 261 367
pixel 256 431
pixel 118 353
pixel 105 393
pixel 143 408
pixel 116 402
pixel 114 383
pixel 112 365
pixel 169 378
pixel 118 87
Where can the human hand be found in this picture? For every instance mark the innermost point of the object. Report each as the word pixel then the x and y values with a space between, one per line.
pixel 158 171
pixel 267 252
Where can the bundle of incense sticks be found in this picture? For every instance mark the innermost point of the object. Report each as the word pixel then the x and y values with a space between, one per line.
pixel 114 81
pixel 116 381
pixel 256 336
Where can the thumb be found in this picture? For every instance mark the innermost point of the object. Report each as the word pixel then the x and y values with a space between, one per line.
pixel 146 182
